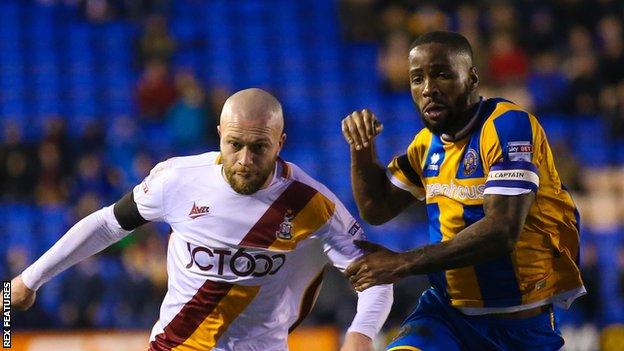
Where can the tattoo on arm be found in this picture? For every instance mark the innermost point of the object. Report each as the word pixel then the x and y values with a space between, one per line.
pixel 376 198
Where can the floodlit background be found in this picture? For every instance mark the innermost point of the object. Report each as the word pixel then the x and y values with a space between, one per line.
pixel 93 93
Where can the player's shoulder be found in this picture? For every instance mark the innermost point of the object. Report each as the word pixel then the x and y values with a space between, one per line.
pixel 504 112
pixel 172 167
pixel 421 139
pixel 504 119
pixel 207 159
pixel 295 173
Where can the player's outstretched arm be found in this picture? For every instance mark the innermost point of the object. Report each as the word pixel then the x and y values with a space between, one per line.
pixel 21 296
pixel 489 238
pixel 377 199
pixel 89 236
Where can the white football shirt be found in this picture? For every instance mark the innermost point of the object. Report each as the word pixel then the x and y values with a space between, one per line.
pixel 244 270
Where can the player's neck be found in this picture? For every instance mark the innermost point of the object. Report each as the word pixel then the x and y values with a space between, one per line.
pixel 468 120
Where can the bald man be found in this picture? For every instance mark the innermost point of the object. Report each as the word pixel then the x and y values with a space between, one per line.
pixel 250 237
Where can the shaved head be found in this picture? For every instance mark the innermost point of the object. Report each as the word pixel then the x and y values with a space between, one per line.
pixel 256 104
pixel 251 131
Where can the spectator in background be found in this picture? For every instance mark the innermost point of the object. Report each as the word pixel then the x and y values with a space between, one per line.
pixel 468 23
pixel 92 139
pixel 393 18
pixel 187 120
pixel 51 186
pixel 508 62
pixel 427 17
pixel 612 53
pixel 542 33
pixel 585 85
pixel 546 83
pixel 357 17
pixel 155 43
pixel 502 18
pixel 392 63
pixel 590 305
pixel 99 11
pixel 55 132
pixel 568 166
pixel 145 282
pixel 92 177
pixel 18 172
pixel 155 91
pixel 79 308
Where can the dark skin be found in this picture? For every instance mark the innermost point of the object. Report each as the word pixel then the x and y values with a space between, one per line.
pixel 443 84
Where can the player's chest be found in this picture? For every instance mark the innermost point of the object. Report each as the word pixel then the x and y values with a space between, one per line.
pixel 453 170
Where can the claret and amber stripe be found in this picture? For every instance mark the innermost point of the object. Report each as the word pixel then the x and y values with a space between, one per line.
pixel 202 320
pixel 310 219
pixel 293 199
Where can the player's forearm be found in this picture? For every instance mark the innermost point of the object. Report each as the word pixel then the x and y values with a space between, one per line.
pixel 89 236
pixel 373 307
pixel 485 240
pixel 370 186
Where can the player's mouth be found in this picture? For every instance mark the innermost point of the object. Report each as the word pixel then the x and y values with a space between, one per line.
pixel 435 112
pixel 244 174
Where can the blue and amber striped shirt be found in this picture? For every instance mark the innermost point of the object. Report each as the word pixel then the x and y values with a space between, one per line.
pixel 507 154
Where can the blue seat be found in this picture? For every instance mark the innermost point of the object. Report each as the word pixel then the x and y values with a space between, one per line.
pixel 18 224
pixel 52 224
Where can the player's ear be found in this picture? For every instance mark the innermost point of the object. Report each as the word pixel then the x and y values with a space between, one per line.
pixel 474 78
pixel 219 130
pixel 281 142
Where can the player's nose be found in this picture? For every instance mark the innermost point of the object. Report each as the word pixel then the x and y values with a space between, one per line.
pixel 246 157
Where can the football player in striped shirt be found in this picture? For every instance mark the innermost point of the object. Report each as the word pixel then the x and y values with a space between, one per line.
pixel 504 231
pixel 251 235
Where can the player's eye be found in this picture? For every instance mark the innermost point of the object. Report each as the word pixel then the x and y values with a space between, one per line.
pixel 417 79
pixel 235 144
pixel 445 75
pixel 258 147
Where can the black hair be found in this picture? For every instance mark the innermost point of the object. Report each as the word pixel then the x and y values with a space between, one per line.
pixel 454 40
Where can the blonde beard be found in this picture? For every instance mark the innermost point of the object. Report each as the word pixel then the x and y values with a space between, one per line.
pixel 247 187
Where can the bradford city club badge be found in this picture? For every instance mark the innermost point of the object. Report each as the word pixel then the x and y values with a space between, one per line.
pixel 470 162
pixel 285 228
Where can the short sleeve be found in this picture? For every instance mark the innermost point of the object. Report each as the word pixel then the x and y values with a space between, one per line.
pixel 338 240
pixel 403 172
pixel 508 148
pixel 150 194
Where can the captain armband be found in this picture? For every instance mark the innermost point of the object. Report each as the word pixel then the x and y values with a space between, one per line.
pixel 512 178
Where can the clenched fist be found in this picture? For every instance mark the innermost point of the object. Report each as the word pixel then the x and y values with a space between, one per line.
pixel 21 296
pixel 360 127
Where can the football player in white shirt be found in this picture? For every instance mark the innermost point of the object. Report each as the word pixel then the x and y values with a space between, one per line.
pixel 251 234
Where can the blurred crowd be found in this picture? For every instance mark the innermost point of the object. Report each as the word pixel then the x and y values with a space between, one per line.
pixel 556 58
pixel 564 56
pixel 74 174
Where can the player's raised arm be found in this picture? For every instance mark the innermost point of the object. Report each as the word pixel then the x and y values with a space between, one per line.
pixel 378 200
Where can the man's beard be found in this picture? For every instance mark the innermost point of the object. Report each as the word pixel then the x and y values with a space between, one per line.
pixel 247 186
pixel 438 129
pixel 453 122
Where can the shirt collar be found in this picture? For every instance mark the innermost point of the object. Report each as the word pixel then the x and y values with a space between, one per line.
pixel 464 131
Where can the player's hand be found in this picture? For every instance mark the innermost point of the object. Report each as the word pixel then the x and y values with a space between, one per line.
pixel 357 342
pixel 21 296
pixel 360 127
pixel 379 266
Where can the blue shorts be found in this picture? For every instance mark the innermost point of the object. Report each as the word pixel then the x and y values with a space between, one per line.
pixel 435 325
